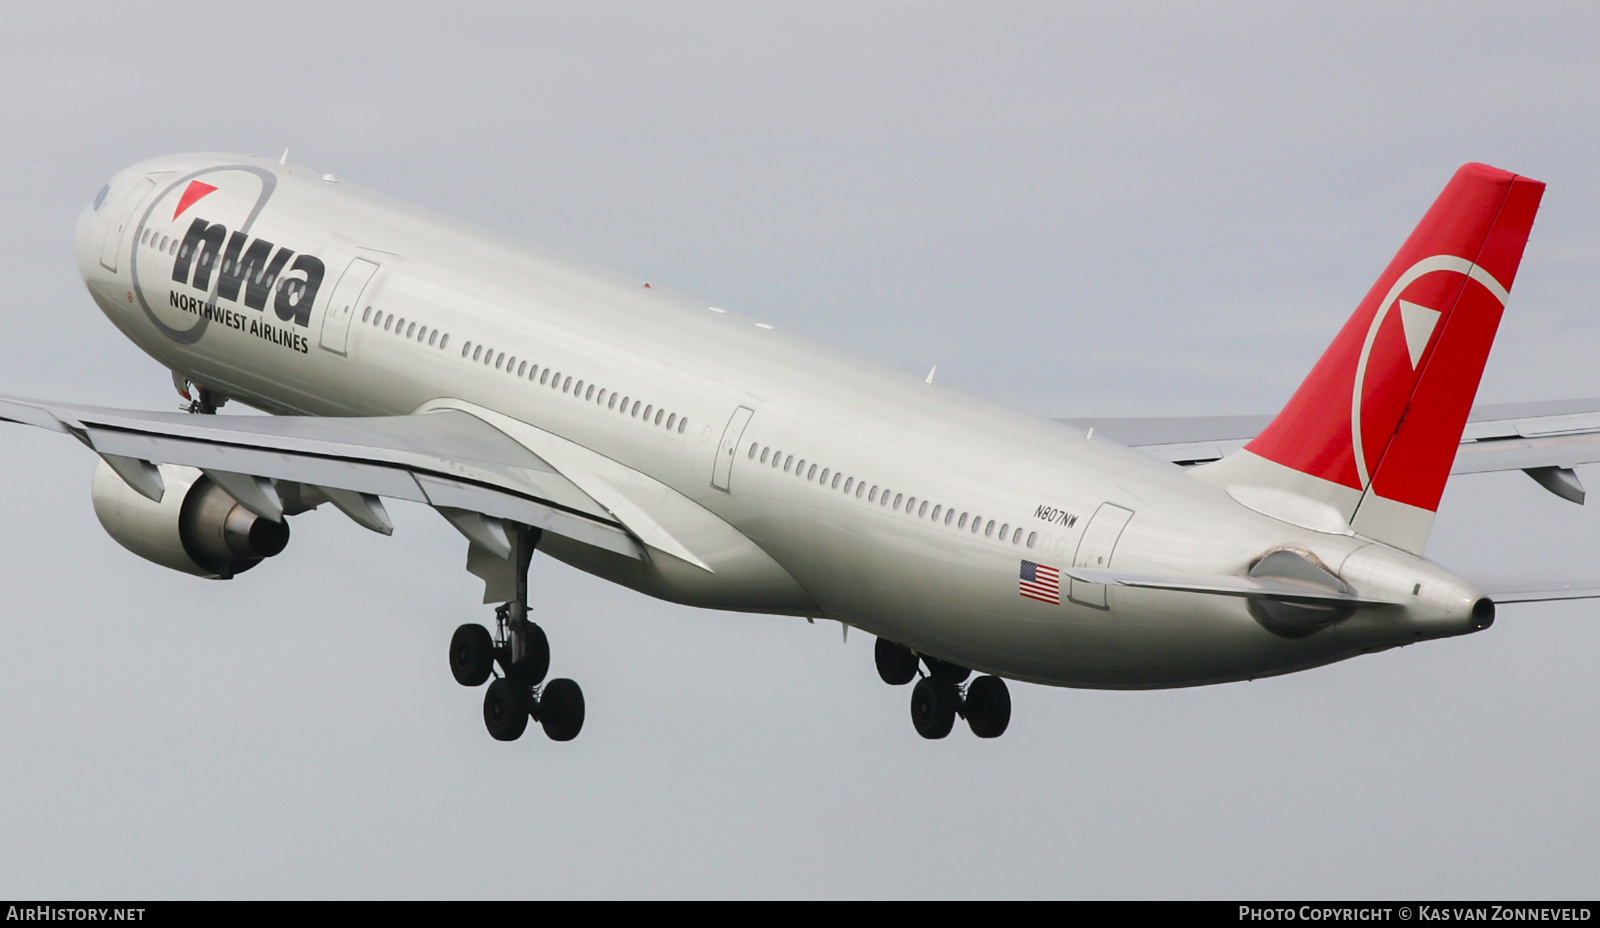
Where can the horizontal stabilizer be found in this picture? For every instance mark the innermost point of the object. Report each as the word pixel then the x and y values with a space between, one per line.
pixel 1544 439
pixel 1539 591
pixel 1279 589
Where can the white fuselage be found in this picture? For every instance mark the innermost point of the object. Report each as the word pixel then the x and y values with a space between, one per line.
pixel 450 292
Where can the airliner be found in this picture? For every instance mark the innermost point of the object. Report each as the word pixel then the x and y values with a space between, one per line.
pixel 698 455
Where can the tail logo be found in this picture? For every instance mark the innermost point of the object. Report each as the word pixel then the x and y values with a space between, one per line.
pixel 1418 323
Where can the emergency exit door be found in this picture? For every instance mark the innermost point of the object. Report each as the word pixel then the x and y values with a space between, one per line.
pixel 722 470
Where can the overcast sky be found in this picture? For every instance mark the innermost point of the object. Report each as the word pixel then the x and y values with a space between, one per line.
pixel 1114 210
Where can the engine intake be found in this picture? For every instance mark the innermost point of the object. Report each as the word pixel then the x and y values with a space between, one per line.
pixel 197 527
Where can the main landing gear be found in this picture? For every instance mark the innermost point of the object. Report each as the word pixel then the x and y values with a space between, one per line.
pixel 939 696
pixel 522 652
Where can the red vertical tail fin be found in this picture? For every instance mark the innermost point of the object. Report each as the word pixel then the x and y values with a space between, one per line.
pixel 1373 430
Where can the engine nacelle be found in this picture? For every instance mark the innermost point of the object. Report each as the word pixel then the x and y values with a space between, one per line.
pixel 196 528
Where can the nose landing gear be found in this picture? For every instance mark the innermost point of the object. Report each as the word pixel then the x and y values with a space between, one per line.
pixel 522 651
pixel 939 696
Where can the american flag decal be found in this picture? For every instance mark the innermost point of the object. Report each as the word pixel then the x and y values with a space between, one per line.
pixel 1040 582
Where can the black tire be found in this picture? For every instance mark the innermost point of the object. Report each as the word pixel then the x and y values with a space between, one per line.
pixel 561 709
pixel 933 707
pixel 946 671
pixel 988 707
pixel 536 662
pixel 505 709
pixel 471 655
pixel 897 666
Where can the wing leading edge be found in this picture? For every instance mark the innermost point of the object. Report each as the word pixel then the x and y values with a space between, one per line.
pixel 450 460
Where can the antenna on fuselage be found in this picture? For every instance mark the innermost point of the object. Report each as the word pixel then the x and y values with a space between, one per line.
pixel 931 371
pixel 284 158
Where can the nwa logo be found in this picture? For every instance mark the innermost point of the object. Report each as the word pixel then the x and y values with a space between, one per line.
pixel 248 270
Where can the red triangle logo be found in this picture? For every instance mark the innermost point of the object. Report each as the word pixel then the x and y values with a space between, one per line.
pixel 195 191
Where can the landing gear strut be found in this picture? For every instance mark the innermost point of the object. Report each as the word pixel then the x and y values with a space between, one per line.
pixel 939 696
pixel 522 651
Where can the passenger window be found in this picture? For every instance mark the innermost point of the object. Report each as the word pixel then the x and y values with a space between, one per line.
pixel 824 477
pixel 988 530
pixel 422 334
pixel 635 412
pixel 672 420
pixel 1004 530
pixel 897 498
pixel 566 385
pixel 911 503
pixel 387 323
pixel 788 463
pixel 433 337
pixel 777 459
pixel 872 495
pixel 499 360
pixel 1032 537
pixel 800 469
pixel 923 510
pixel 849 482
pixel 444 342
pixel 1017 538
pixel 812 473
pixel 836 477
pixel 859 488
pixel 763 455
pixel 647 409
pixel 948 515
pixel 578 390
pixel 753 447
pixel 589 393
pixel 522 368
pixel 411 330
pixel 366 316
pixel 613 403
pixel 658 416
pixel 682 424
pixel 511 362
pixel 399 326
pixel 884 499
pixel 963 522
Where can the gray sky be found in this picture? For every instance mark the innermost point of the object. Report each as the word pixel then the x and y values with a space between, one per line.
pixel 1115 210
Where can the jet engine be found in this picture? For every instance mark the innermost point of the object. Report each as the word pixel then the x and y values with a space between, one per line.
pixel 197 527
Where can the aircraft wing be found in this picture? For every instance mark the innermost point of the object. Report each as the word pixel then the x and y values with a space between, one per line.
pixel 450 460
pixel 1545 439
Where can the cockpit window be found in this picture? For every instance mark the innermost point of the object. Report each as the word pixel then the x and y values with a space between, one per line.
pixel 100 198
